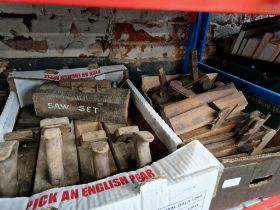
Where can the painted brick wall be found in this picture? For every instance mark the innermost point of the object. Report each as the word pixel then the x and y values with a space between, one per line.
pixel 122 35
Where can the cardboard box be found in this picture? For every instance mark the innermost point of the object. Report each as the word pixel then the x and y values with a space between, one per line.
pixel 185 179
pixel 247 178
pixel 242 179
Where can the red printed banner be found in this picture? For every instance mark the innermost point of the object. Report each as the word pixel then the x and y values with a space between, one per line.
pixel 55 197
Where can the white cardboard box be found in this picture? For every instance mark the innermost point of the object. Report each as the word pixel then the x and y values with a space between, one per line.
pixel 185 179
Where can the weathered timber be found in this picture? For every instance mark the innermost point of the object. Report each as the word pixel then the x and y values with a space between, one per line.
pixel 152 82
pixel 221 117
pixel 264 141
pixel 236 100
pixel 27 158
pixel 205 132
pixel 23 135
pixel 112 127
pixel 142 142
pixel 192 119
pixel 216 138
pixel 209 81
pixel 93 136
pixel 194 65
pixel 252 125
pixel 240 155
pixel 62 123
pixel 163 83
pixel 270 150
pixel 86 164
pixel 178 88
pixel 70 163
pixel 107 106
pixel 86 85
pixel 218 146
pixel 185 105
pixel 125 133
pixel 8 169
pixel 85 126
pixel 100 159
pixel 54 155
pixel 123 151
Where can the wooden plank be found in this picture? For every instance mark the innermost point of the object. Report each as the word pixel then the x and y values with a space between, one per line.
pixel 235 99
pixel 192 119
pixel 70 164
pixel 23 135
pixel 86 84
pixel 216 138
pixel 8 169
pixel 93 136
pixel 123 152
pixel 85 126
pixel 150 82
pixel 185 105
pixel 264 141
pixel 218 146
pixel 206 131
pixel 27 158
pixel 86 165
pixel 107 106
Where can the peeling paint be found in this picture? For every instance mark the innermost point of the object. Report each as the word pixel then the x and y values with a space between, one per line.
pixel 27 45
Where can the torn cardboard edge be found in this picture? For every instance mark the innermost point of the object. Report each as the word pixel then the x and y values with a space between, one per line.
pixel 151 187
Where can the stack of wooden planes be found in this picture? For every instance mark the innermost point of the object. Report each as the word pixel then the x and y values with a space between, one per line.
pixel 196 106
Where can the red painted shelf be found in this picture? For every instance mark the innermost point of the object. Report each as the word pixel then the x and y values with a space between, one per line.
pixel 228 6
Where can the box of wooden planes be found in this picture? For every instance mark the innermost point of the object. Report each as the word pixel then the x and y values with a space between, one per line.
pixel 86 139
pixel 200 107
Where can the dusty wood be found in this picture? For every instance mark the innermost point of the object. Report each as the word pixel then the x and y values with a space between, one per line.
pixel 61 122
pixel 28 122
pixel 150 82
pixel 209 81
pixel 86 164
pixel 123 151
pixel 192 119
pixel 270 150
pixel 163 83
pixel 221 117
pixel 54 156
pixel 125 133
pixel 27 158
pixel 107 106
pixel 235 156
pixel 206 131
pixel 86 85
pixel 100 159
pixel 236 100
pixel 93 136
pixel 185 105
pixel 178 88
pixel 23 135
pixel 194 65
pixel 142 147
pixel 85 126
pixel 8 169
pixel 70 163
pixel 112 127
pixel 218 146
pixel 216 138
pixel 253 125
pixel 264 141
